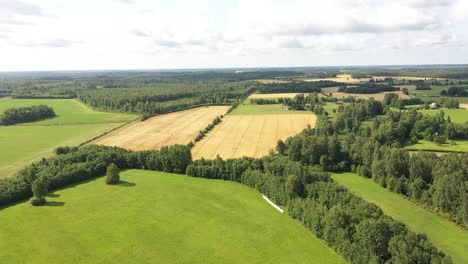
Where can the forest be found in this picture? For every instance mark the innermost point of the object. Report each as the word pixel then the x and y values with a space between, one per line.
pixel 455 91
pixel 297 87
pixel 26 114
pixel 368 88
pixel 166 98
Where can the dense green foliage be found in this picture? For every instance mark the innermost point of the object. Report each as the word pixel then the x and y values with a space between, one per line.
pixel 455 91
pixel 297 87
pixel 112 174
pixel 368 88
pixel 422 85
pixel 394 100
pixel 39 190
pixel 167 97
pixel 26 114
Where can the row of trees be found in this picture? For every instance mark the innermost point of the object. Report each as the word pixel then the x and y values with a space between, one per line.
pixel 353 227
pixel 208 128
pixel 297 87
pixel 33 113
pixel 455 91
pixel 368 88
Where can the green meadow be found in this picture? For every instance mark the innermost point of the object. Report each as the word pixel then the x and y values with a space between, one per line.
pixel 456 115
pixel 445 235
pixel 269 109
pixel 75 123
pixel 155 217
pixel 459 145
pixel 68 111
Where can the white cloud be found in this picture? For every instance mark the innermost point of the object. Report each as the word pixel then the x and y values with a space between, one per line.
pixel 204 33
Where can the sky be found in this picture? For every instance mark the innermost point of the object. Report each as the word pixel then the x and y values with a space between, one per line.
pixel 170 34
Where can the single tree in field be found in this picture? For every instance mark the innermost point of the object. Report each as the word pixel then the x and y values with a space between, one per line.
pixel 39 189
pixel 112 174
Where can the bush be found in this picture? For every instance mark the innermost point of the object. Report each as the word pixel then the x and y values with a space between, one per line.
pixel 39 189
pixel 26 114
pixel 37 201
pixel 112 174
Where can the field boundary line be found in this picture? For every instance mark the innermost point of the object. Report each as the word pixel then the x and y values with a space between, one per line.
pixel 273 204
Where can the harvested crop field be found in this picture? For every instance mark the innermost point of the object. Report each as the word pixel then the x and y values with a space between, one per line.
pixel 377 96
pixel 250 135
pixel 464 106
pixel 164 130
pixel 277 95
pixel 346 78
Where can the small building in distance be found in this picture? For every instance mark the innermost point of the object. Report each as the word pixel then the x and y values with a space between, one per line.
pixel 433 106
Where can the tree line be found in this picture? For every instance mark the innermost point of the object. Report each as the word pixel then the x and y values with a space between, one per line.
pixel 455 91
pixel 33 113
pixel 368 88
pixel 297 87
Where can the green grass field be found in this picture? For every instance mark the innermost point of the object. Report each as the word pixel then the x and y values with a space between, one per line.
pixel 68 111
pixel 456 115
pixel 23 144
pixel 156 217
pixel 76 123
pixel 460 145
pixel 445 235
pixel 270 109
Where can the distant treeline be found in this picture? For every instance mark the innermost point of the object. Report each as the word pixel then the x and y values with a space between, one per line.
pixel 429 72
pixel 455 91
pixel 368 88
pixel 167 97
pixel 297 87
pixel 26 114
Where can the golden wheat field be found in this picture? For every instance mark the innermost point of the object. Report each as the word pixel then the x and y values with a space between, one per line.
pixel 164 130
pixel 250 135
pixel 339 78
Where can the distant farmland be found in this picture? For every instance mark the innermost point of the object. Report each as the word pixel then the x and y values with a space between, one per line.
pixel 377 96
pixel 74 124
pixel 164 130
pixel 250 135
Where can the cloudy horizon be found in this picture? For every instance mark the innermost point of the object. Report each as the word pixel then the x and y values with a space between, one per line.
pixel 144 34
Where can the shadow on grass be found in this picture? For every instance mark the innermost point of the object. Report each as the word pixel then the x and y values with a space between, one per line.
pixel 52 195
pixel 54 203
pixel 126 184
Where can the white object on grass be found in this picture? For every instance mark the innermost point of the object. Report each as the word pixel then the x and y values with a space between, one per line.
pixel 273 204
